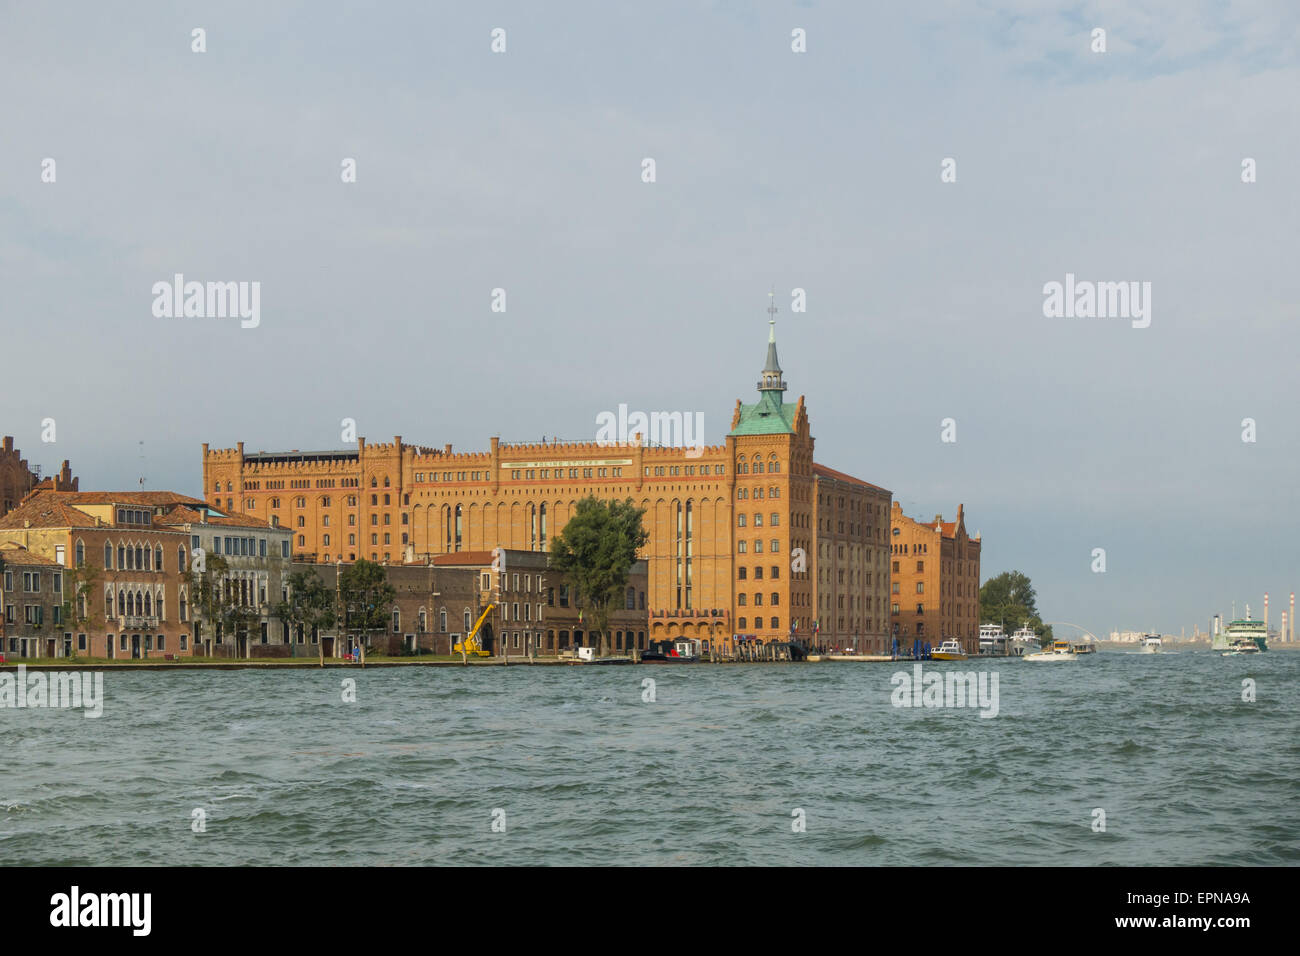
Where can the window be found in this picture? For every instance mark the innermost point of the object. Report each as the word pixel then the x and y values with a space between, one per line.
pixel 108 556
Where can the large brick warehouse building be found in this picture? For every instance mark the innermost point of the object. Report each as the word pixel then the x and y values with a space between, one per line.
pixel 749 539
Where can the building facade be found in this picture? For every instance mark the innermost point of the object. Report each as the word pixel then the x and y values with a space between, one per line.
pixel 31 605
pixel 124 572
pixel 935 582
pixel 256 559
pixel 733 546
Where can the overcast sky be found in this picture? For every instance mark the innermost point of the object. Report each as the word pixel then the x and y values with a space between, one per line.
pixel 820 170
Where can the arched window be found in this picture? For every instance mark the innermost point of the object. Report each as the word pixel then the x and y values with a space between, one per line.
pixel 139 556
pixel 758 467
pixel 81 553
pixel 157 558
pixel 108 555
pixel 774 466
pixel 158 606
pixel 442 620
pixel 180 557
pixel 148 605
pixel 424 620
pixel 740 623
pixel 121 602
pixel 468 622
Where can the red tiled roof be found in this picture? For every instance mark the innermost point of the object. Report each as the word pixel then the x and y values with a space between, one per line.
pixel 234 519
pixel 121 497
pixel 18 556
pixel 841 476
pixel 46 510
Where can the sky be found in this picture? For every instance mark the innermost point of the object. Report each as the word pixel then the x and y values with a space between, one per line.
pixel 776 170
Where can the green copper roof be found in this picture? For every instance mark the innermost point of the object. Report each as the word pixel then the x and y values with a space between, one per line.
pixel 769 416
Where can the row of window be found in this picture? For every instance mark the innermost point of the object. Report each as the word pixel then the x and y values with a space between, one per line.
pixel 774 521
pixel 758 599
pixel 742 546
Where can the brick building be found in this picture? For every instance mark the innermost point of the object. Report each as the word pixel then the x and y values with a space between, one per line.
pixel 17 480
pixel 712 513
pixel 935 580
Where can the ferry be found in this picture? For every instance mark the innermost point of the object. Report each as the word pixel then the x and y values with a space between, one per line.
pixel 949 650
pixel 1237 632
pixel 1059 651
pixel 1083 647
pixel 1023 640
pixel 1151 644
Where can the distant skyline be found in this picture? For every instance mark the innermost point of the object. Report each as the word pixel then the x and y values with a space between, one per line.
pixel 818 171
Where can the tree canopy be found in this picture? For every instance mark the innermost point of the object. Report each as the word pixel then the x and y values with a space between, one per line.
pixel 595 553
pixel 1009 599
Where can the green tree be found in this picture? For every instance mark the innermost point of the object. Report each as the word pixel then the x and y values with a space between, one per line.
pixel 1009 599
pixel 218 602
pixel 311 607
pixel 365 599
pixel 595 553
pixel 80 588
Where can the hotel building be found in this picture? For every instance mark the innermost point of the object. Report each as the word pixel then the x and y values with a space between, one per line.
pixel 739 531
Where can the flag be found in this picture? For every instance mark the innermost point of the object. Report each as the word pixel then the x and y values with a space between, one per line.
pixel 579 615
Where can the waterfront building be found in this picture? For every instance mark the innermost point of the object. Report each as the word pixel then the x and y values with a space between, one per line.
pixel 733 549
pixel 438 601
pixel 256 556
pixel 124 572
pixel 935 580
pixel 17 480
pixel 31 605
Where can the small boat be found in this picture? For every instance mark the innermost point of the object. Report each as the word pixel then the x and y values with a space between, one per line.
pixel 683 651
pixel 1151 644
pixel 1059 651
pixel 949 650
pixel 1083 647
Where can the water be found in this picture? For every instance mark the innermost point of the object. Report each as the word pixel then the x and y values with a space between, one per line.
pixel 588 773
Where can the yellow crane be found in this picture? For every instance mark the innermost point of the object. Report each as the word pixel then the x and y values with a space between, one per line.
pixel 471 645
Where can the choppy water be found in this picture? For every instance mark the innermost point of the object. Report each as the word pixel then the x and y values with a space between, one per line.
pixel 709 773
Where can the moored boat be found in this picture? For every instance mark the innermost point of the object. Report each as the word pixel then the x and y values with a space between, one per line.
pixel 949 650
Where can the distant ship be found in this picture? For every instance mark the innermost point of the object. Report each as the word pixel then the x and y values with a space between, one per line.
pixel 1152 644
pixel 1241 631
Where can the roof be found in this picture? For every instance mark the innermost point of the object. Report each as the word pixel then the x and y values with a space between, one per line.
pixel 46 510
pixel 183 514
pixel 821 471
pixel 150 498
pixel 19 556
pixel 768 416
